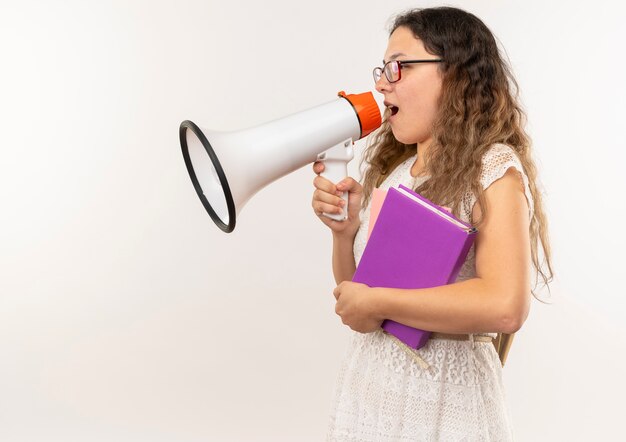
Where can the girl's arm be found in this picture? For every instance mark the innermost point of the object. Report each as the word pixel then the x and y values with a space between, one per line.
pixel 343 258
pixel 498 298
pixel 327 198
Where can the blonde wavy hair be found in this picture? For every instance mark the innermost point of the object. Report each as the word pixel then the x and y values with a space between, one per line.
pixel 478 108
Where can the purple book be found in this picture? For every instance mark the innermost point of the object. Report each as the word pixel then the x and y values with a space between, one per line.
pixel 414 244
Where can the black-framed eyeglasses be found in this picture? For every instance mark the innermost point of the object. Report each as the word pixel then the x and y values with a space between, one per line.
pixel 393 69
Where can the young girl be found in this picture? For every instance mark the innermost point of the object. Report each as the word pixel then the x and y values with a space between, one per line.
pixel 453 131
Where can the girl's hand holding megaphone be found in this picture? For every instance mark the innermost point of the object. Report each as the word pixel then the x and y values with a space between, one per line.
pixel 327 199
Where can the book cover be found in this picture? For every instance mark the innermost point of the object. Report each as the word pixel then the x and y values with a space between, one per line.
pixel 378 197
pixel 413 244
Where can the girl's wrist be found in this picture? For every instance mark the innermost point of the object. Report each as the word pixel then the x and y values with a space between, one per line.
pixel 347 237
pixel 378 303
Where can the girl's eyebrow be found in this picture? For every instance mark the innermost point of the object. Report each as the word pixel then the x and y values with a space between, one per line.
pixel 394 56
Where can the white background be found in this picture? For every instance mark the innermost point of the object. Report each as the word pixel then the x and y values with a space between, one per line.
pixel 125 314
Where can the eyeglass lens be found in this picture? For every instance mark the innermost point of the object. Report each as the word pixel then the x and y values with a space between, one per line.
pixel 391 70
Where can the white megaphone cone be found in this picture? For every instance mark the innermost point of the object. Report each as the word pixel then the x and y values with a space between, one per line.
pixel 228 168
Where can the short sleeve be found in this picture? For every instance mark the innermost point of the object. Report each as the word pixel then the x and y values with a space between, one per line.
pixel 495 163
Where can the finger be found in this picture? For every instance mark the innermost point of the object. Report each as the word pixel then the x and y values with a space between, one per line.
pixel 321 183
pixel 318 167
pixel 336 292
pixel 321 213
pixel 322 209
pixel 320 196
pixel 323 202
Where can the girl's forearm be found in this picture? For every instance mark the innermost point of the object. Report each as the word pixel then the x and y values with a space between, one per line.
pixel 343 258
pixel 471 306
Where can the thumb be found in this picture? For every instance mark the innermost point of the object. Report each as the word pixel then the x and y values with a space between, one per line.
pixel 349 184
pixel 355 194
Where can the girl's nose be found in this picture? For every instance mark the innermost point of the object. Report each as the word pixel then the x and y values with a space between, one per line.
pixel 382 85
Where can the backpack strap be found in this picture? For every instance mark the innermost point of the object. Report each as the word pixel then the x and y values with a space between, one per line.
pixel 502 343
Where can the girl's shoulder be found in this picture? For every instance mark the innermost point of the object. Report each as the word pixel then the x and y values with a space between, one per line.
pixel 496 161
pixel 500 154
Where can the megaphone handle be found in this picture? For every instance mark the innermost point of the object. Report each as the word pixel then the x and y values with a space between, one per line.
pixel 336 169
pixel 335 176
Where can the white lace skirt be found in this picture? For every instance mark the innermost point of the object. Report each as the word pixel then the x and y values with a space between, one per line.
pixel 383 395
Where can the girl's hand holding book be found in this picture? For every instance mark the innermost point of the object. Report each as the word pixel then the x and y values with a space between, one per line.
pixel 355 306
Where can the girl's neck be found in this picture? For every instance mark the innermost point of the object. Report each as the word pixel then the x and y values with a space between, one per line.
pixel 418 168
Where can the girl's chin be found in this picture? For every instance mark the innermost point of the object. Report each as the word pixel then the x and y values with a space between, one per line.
pixel 403 137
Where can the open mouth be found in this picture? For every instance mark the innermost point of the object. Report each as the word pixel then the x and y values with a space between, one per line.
pixel 392 108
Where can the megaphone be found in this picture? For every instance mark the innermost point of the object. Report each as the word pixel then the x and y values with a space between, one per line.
pixel 228 168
